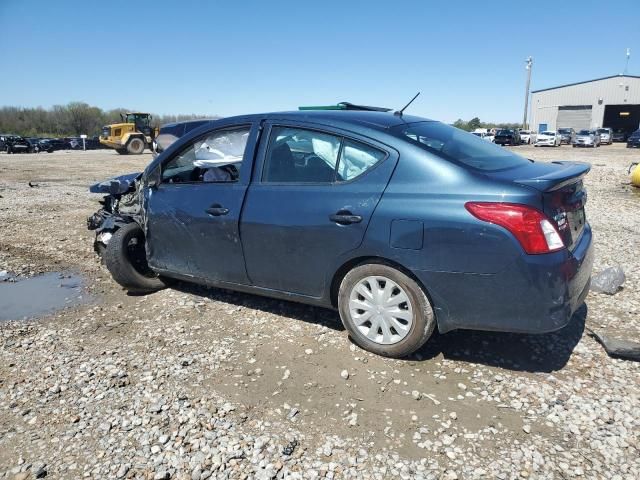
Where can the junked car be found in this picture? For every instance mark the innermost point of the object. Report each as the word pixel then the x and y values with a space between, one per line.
pixel 587 138
pixel 567 135
pixel 170 132
pixel 400 223
pixel 606 136
pixel 507 137
pixel 528 137
pixel 548 138
pixel 16 144
pixel 634 140
pixel 619 135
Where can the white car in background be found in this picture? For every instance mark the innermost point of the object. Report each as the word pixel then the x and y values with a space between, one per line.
pixel 548 138
pixel 528 137
pixel 484 133
pixel 606 136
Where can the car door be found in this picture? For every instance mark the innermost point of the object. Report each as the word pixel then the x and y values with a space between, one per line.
pixel 192 216
pixel 310 202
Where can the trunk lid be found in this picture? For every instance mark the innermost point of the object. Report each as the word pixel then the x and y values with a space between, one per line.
pixel 562 190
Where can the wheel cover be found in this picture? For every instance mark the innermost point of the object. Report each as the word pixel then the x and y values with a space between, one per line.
pixel 381 310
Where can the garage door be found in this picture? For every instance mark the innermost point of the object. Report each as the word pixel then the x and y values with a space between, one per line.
pixel 577 117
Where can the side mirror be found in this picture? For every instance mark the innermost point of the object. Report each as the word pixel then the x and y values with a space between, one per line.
pixel 154 177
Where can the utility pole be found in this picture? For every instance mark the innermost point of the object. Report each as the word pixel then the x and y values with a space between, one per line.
pixel 528 65
pixel 626 65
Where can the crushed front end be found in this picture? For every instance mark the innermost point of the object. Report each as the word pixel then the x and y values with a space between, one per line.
pixel 121 205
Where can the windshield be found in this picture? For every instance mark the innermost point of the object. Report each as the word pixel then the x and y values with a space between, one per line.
pixel 584 132
pixel 458 146
pixel 603 130
pixel 504 132
pixel 552 134
pixel 564 130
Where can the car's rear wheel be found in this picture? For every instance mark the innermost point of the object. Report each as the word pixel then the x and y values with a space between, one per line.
pixel 126 260
pixel 385 311
pixel 135 146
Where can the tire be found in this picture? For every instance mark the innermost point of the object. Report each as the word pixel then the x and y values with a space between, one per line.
pixel 122 151
pixel 126 261
pixel 135 146
pixel 418 313
pixel 9 152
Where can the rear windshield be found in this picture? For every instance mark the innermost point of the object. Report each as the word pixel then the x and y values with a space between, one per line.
pixel 458 146
pixel 504 132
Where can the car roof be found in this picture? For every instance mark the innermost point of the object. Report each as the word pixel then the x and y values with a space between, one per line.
pixel 199 120
pixel 371 119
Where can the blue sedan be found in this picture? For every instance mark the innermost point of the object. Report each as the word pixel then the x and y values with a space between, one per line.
pixel 402 224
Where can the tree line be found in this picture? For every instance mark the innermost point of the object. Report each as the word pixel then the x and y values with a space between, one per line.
pixel 475 123
pixel 72 119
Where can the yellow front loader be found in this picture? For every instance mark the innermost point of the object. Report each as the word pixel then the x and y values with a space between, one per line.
pixel 132 136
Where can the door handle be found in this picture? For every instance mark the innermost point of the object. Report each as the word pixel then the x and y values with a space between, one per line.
pixel 217 210
pixel 345 217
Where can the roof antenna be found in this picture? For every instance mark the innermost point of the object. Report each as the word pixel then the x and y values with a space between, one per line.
pixel 399 112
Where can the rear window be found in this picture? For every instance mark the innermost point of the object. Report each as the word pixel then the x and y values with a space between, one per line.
pixel 459 146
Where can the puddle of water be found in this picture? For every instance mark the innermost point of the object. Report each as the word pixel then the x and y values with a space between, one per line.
pixel 37 296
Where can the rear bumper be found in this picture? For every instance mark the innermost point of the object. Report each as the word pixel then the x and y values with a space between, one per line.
pixel 535 294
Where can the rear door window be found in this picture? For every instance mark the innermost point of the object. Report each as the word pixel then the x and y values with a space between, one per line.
pixel 356 158
pixel 301 156
pixel 297 155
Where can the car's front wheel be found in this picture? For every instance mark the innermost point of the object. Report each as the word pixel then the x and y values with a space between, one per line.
pixel 126 260
pixel 384 310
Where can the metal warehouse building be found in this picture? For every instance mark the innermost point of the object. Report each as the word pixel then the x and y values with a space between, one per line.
pixel 604 102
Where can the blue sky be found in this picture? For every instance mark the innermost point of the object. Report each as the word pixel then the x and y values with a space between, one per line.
pixel 227 58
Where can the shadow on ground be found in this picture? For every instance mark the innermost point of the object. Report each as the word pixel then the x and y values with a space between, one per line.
pixel 531 353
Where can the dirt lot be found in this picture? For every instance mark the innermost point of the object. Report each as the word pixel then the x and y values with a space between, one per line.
pixel 199 383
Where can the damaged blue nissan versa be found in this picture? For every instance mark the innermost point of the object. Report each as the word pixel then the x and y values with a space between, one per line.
pixel 400 223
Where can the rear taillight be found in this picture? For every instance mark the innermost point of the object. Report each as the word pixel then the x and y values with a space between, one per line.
pixel 531 227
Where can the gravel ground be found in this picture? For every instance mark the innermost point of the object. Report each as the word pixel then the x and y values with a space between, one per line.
pixel 196 383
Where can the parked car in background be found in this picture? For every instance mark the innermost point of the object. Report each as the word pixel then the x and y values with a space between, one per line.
pixel 170 132
pixel 330 208
pixel 528 137
pixel 3 140
pixel 479 134
pixel 619 135
pixel 567 135
pixel 490 136
pixel 507 137
pixel 39 145
pixel 634 140
pixel 57 143
pixel 16 144
pixel 549 138
pixel 606 135
pixel 587 138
